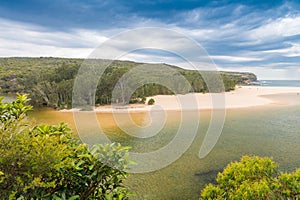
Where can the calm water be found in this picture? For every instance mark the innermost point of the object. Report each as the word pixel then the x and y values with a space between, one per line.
pixel 281 83
pixel 265 131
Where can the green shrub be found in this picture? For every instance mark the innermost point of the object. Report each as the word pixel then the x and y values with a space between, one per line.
pixel 151 101
pixel 143 100
pixel 48 162
pixel 254 178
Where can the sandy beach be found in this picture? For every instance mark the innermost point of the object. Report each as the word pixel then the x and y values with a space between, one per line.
pixel 241 97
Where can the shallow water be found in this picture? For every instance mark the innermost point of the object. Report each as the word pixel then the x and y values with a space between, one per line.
pixel 264 130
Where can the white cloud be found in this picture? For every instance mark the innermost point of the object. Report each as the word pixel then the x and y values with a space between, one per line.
pixel 23 39
pixel 292 51
pixel 269 71
pixel 20 39
pixel 9 48
pixel 282 27
pixel 236 58
pixel 151 38
pixel 199 34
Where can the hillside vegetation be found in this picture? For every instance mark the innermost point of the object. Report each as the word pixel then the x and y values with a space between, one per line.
pixel 49 81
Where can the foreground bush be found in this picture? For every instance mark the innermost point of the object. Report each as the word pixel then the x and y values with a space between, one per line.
pixel 48 162
pixel 254 178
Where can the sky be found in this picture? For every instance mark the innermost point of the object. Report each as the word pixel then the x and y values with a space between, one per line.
pixel 256 36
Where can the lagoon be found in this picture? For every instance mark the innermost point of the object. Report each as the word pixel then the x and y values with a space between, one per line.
pixel 271 130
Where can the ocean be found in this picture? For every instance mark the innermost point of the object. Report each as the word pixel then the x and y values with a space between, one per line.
pixel 279 83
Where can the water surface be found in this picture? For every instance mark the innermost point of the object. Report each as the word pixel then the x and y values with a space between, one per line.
pixel 262 130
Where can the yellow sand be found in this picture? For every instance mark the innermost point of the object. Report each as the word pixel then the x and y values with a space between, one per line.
pixel 241 97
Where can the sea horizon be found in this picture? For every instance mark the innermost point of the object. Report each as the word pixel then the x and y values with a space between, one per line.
pixel 279 83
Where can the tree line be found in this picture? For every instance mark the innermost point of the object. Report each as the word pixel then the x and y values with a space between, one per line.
pixel 50 81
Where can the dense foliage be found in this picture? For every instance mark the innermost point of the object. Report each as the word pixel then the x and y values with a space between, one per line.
pixel 254 178
pixel 49 81
pixel 48 162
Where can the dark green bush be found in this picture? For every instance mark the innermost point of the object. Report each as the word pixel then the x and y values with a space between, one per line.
pixel 151 101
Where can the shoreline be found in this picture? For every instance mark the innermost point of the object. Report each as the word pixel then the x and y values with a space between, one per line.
pixel 241 97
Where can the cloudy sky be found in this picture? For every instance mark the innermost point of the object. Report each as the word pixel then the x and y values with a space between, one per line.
pixel 256 36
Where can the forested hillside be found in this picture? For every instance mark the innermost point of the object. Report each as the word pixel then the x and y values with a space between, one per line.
pixel 49 81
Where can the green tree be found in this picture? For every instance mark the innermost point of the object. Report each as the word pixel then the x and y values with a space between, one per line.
pixel 254 178
pixel 151 101
pixel 49 81
pixel 48 162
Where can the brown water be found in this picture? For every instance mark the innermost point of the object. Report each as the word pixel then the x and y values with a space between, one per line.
pixel 265 131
